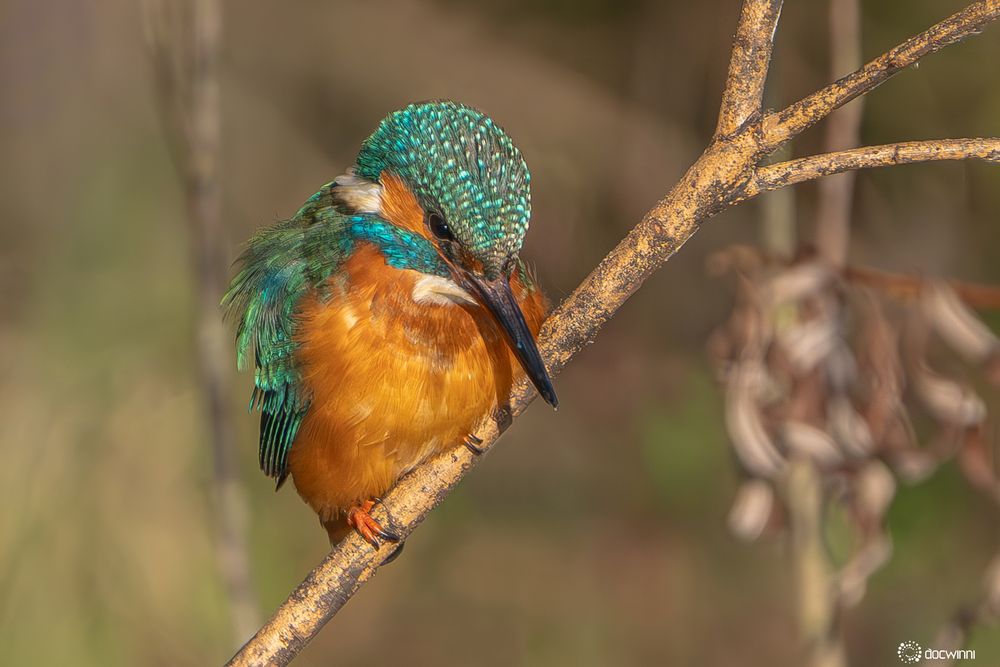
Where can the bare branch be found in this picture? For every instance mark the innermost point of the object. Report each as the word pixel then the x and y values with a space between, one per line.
pixel 744 92
pixel 799 170
pixel 781 126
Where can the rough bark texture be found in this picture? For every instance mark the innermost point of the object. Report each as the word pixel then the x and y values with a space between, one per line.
pixel 726 173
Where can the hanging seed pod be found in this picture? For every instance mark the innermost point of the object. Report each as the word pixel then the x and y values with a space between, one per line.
pixel 956 324
pixel 880 369
pixel 796 283
pixel 809 343
pixel 848 428
pixel 841 368
pixel 720 348
pixel 853 578
pixel 736 257
pixel 976 464
pixel 751 509
pixel 745 423
pixel 811 442
pixel 874 489
pixel 911 462
pixel 946 400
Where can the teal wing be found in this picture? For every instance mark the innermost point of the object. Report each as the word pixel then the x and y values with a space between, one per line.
pixel 280 265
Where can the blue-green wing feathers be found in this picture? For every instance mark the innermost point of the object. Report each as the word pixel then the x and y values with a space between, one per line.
pixel 280 265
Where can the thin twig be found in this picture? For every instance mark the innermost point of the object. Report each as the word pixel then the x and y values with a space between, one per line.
pixel 185 51
pixel 714 182
pixel 782 174
pixel 781 126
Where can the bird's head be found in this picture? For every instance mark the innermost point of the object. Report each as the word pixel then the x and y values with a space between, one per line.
pixel 448 174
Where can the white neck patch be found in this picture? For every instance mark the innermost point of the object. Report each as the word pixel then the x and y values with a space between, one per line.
pixel 440 291
pixel 357 193
pixel 363 196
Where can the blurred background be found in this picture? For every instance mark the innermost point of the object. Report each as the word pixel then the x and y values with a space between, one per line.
pixel 592 536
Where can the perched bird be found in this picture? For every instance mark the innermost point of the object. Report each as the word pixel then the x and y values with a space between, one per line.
pixel 392 312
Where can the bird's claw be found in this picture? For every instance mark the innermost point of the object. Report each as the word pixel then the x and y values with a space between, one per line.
pixel 472 443
pixel 394 554
pixel 359 517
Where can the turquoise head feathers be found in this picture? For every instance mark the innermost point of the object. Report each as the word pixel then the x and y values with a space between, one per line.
pixel 461 166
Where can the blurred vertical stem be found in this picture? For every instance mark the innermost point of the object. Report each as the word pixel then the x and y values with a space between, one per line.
pixel 185 50
pixel 817 607
pixel 818 596
pixel 843 129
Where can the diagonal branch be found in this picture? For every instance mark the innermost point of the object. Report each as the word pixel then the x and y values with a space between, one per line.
pixel 744 92
pixel 791 172
pixel 781 126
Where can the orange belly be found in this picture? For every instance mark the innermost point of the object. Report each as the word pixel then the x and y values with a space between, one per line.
pixel 393 381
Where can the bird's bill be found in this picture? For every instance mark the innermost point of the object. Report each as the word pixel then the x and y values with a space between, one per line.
pixel 497 297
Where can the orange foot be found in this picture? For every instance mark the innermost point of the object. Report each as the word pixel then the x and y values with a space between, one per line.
pixel 360 519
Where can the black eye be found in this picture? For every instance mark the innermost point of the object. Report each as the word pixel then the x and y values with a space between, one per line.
pixel 439 227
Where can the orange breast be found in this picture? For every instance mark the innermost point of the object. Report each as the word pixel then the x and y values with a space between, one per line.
pixel 393 381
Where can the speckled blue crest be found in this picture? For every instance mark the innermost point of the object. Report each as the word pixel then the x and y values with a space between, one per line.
pixel 457 160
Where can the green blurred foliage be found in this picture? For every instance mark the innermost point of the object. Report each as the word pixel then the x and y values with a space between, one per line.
pixel 595 535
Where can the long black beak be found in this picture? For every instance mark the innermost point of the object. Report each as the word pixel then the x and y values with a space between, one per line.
pixel 497 298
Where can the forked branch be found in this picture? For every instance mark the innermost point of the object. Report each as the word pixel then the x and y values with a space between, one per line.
pixel 726 173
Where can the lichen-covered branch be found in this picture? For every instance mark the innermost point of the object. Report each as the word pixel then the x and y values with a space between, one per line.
pixel 781 126
pixel 726 173
pixel 799 170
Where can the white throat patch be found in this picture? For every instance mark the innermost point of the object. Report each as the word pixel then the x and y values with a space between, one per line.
pixel 357 193
pixel 440 292
pixel 363 196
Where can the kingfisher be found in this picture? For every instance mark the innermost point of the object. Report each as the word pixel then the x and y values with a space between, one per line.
pixel 391 313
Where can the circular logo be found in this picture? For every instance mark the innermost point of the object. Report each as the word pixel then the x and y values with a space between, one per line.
pixel 909 652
